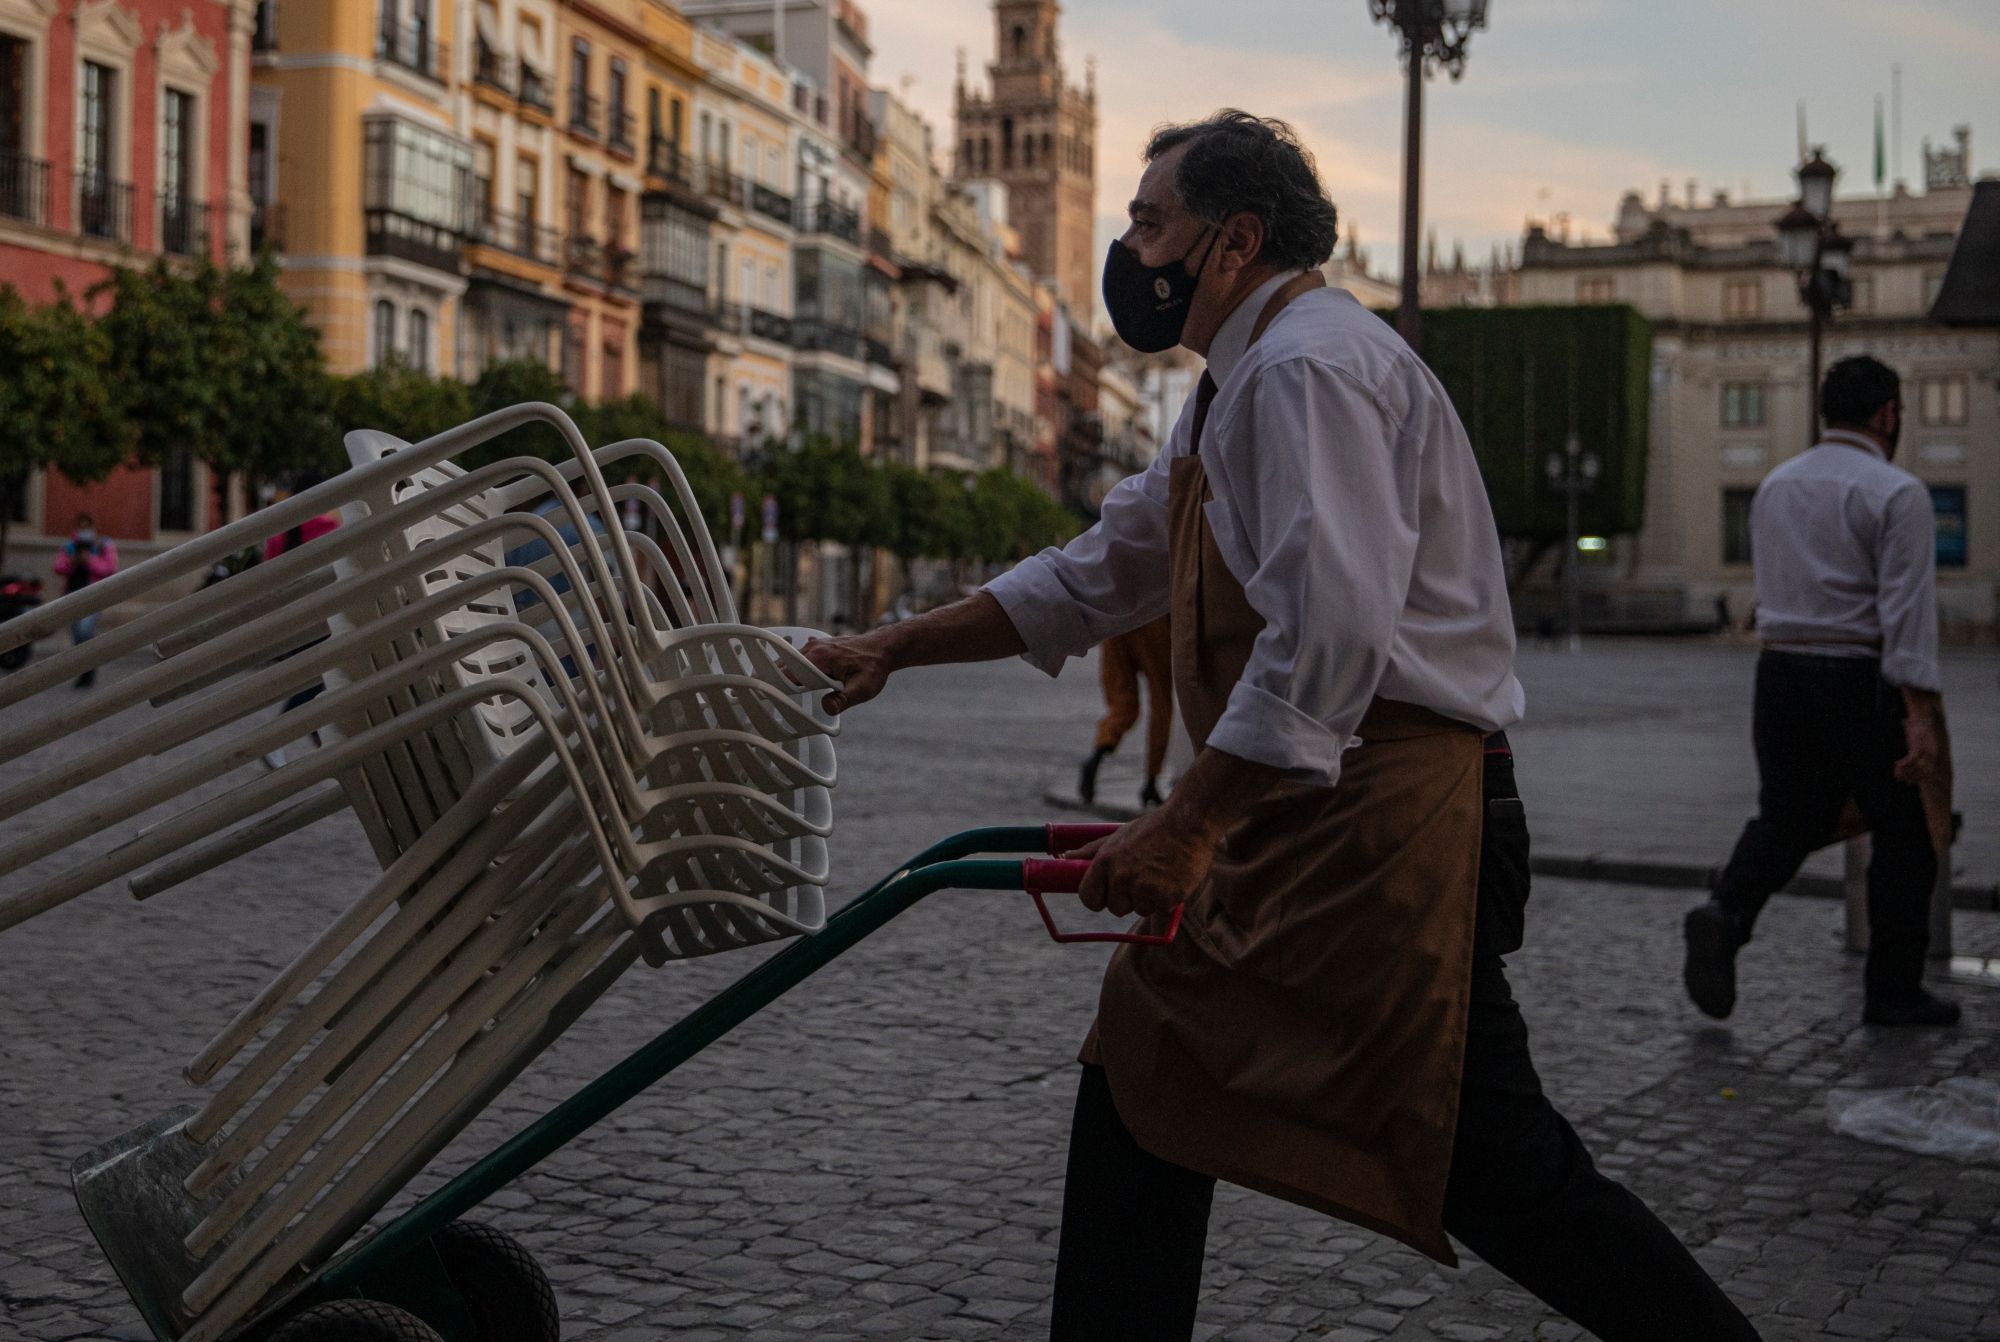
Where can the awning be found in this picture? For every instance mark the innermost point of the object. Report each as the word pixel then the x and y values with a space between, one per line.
pixel 1970 294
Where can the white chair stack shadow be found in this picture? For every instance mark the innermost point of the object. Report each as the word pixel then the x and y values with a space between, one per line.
pixel 565 750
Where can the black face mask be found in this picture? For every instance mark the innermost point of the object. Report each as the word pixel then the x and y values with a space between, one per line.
pixel 1149 304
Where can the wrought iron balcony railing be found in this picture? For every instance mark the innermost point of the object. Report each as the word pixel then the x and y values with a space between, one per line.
pixel 770 326
pixel 723 184
pixel 184 225
pixel 585 113
pixel 519 236
pixel 24 187
pixel 772 204
pixel 492 69
pixel 413 46
pixel 623 126
pixel 665 159
pixel 104 208
pixel 537 90
pixel 827 217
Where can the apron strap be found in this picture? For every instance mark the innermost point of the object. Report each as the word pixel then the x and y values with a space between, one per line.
pixel 1205 390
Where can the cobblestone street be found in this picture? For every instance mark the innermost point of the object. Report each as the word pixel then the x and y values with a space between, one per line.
pixel 880 1155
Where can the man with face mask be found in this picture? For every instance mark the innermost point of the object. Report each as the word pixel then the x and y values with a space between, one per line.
pixel 1847 700
pixel 85 558
pixel 1332 1024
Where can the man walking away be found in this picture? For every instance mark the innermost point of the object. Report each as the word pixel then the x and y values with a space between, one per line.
pixel 85 558
pixel 1148 651
pixel 1847 699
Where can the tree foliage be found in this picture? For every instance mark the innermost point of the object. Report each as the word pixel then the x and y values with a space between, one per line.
pixel 397 399
pixel 217 362
pixel 57 401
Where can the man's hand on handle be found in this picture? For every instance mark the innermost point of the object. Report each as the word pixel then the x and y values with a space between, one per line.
pixel 1149 866
pixel 973 630
pixel 1923 712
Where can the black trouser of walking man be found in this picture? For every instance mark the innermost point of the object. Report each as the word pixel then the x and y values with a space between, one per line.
pixel 1523 1192
pixel 1826 729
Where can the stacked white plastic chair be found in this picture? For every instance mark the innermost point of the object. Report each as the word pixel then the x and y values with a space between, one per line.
pixel 565 750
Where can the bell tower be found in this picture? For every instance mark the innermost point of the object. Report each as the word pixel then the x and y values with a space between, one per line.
pixel 1036 134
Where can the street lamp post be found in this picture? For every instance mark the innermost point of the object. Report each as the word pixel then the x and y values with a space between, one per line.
pixel 1812 246
pixel 1435 32
pixel 1573 473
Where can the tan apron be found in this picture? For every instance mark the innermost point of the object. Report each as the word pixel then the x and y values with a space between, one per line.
pixel 1304 1034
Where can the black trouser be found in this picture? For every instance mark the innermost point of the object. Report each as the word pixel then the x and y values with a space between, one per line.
pixel 1523 1193
pixel 1827 729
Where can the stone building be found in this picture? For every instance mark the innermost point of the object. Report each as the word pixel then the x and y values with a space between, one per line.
pixel 1036 133
pixel 1730 387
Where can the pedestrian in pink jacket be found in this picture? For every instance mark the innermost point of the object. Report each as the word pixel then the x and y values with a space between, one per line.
pixel 85 558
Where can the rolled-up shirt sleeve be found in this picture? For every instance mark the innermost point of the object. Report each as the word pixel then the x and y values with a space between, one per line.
pixel 1906 590
pixel 1112 578
pixel 1321 528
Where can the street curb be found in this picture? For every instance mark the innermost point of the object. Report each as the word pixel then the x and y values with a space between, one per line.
pixel 1615 870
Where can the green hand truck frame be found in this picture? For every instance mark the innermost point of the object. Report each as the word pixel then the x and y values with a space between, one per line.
pixel 129 1188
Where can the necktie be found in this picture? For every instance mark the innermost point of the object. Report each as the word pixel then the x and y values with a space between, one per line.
pixel 1204 392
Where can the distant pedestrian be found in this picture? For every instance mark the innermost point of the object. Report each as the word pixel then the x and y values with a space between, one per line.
pixel 85 558
pixel 1146 651
pixel 1847 704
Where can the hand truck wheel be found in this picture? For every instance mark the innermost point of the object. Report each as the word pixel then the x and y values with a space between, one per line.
pixel 356 1321
pixel 503 1286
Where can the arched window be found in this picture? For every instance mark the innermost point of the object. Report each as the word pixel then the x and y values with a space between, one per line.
pixel 971 159
pixel 385 330
pixel 1020 40
pixel 1028 151
pixel 1006 142
pixel 986 155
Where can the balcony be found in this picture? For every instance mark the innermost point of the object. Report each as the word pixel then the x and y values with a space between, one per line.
pixel 24 188
pixel 770 326
pixel 585 114
pixel 665 159
pixel 618 266
pixel 863 138
pixel 723 184
pixel 184 225
pixel 491 69
pixel 392 233
pixel 582 256
pixel 267 226
pixel 104 208
pixel 623 127
pixel 730 318
pixel 518 237
pixel 412 46
pixel 537 90
pixel 667 291
pixel 772 204
pixel 827 217
pixel 818 335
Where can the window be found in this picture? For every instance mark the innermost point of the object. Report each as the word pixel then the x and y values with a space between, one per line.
pixel 653 127
pixel 613 376
pixel 1948 502
pixel 385 329
pixel 614 216
pixel 13 96
pixel 1595 290
pixel 674 116
pixel 579 203
pixel 1742 405
pixel 1941 400
pixel 265 36
pixel 680 381
pixel 99 90
pixel 1742 300
pixel 14 496
pixel 579 78
pixel 1736 525
pixel 482 185
pixel 615 104
pixel 528 189
pixel 177 230
pixel 420 340
pixel 177 491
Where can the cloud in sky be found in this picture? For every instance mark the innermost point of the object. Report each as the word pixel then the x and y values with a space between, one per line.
pixel 1565 103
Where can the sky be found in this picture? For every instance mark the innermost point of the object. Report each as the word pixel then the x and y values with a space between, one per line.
pixel 1564 104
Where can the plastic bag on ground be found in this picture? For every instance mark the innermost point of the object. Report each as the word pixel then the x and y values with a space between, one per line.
pixel 1958 1119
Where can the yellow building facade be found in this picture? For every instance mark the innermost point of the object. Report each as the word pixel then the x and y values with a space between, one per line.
pixel 359 178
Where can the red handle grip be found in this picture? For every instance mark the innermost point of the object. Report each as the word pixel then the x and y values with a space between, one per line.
pixel 1044 876
pixel 1068 838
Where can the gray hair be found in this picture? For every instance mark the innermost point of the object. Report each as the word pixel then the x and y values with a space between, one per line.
pixel 1236 163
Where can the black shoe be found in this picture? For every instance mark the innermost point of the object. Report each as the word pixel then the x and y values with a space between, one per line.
pixel 1086 779
pixel 1149 795
pixel 1713 938
pixel 1922 1009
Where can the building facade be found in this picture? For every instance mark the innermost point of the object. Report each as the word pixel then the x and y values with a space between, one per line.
pixel 1036 133
pixel 1731 398
pixel 122 139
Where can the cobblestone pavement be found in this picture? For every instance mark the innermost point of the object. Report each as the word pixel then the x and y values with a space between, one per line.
pixel 880 1154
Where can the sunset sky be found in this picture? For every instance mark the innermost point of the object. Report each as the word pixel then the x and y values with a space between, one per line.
pixel 1564 104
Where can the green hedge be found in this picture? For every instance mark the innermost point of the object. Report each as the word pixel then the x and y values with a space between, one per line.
pixel 1520 377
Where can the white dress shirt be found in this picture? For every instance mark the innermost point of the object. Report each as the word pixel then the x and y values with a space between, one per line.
pixel 1348 505
pixel 1845 548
